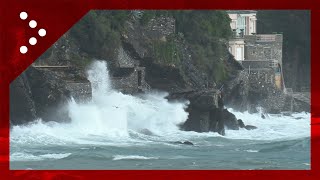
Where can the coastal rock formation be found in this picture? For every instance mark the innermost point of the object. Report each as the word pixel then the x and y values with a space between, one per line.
pixel 257 90
pixel 22 107
pixel 206 112
pixel 148 56
pixel 43 93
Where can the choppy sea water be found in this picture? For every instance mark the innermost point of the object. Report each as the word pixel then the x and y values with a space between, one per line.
pixel 117 131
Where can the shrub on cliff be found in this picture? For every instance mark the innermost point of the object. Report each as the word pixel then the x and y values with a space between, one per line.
pixel 98 33
pixel 204 31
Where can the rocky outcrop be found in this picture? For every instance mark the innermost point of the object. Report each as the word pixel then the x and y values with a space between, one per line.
pixel 22 107
pixel 247 92
pixel 237 91
pixel 178 75
pixel 43 93
pixel 206 112
pixel 167 58
pixel 165 62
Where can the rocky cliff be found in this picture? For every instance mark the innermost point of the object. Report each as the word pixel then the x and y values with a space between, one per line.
pixel 253 90
pixel 175 62
pixel 44 93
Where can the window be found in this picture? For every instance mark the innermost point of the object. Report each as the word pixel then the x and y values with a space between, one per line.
pixel 239 53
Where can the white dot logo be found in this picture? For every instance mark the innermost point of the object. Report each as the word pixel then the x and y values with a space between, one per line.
pixel 33 41
pixel 23 49
pixel 33 23
pixel 23 15
pixel 42 32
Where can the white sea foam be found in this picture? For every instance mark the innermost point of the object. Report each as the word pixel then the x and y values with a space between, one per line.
pixel 251 150
pixel 113 118
pixel 273 127
pixel 126 157
pixel 109 117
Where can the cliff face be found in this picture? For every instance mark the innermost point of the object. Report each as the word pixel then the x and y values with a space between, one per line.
pixel 250 91
pixel 44 93
pixel 169 61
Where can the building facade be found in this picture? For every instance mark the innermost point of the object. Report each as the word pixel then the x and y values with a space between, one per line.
pixel 256 52
pixel 243 21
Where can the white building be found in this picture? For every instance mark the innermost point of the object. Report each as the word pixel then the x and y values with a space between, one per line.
pixel 255 51
pixel 243 22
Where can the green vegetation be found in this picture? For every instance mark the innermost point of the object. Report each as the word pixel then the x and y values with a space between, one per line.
pixel 98 35
pixel 295 26
pixel 81 62
pixel 166 52
pixel 203 31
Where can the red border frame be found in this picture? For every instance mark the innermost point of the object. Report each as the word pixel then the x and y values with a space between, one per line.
pixel 57 16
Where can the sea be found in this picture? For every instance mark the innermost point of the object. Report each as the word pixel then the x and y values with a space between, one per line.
pixel 119 131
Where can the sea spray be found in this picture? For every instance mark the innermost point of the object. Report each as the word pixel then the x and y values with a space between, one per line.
pixel 118 131
pixel 112 115
pixel 112 111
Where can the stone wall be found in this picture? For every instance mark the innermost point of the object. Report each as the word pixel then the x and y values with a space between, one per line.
pixel 133 83
pixel 264 47
pixel 261 78
pixel 124 60
pixel 255 64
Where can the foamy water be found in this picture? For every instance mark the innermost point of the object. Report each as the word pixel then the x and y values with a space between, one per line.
pixel 114 122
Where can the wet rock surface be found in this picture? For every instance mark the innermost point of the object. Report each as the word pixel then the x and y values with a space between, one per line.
pixel 248 92
pixel 50 90
pixel 42 93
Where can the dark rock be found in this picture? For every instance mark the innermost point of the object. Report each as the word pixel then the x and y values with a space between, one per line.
pixel 247 91
pixel 263 116
pixel 204 114
pixel 43 93
pixel 146 132
pixel 49 94
pixel 241 124
pixel 198 121
pixel 250 127
pixel 236 92
pixel 188 143
pixel 230 120
pixel 217 121
pixel 22 107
